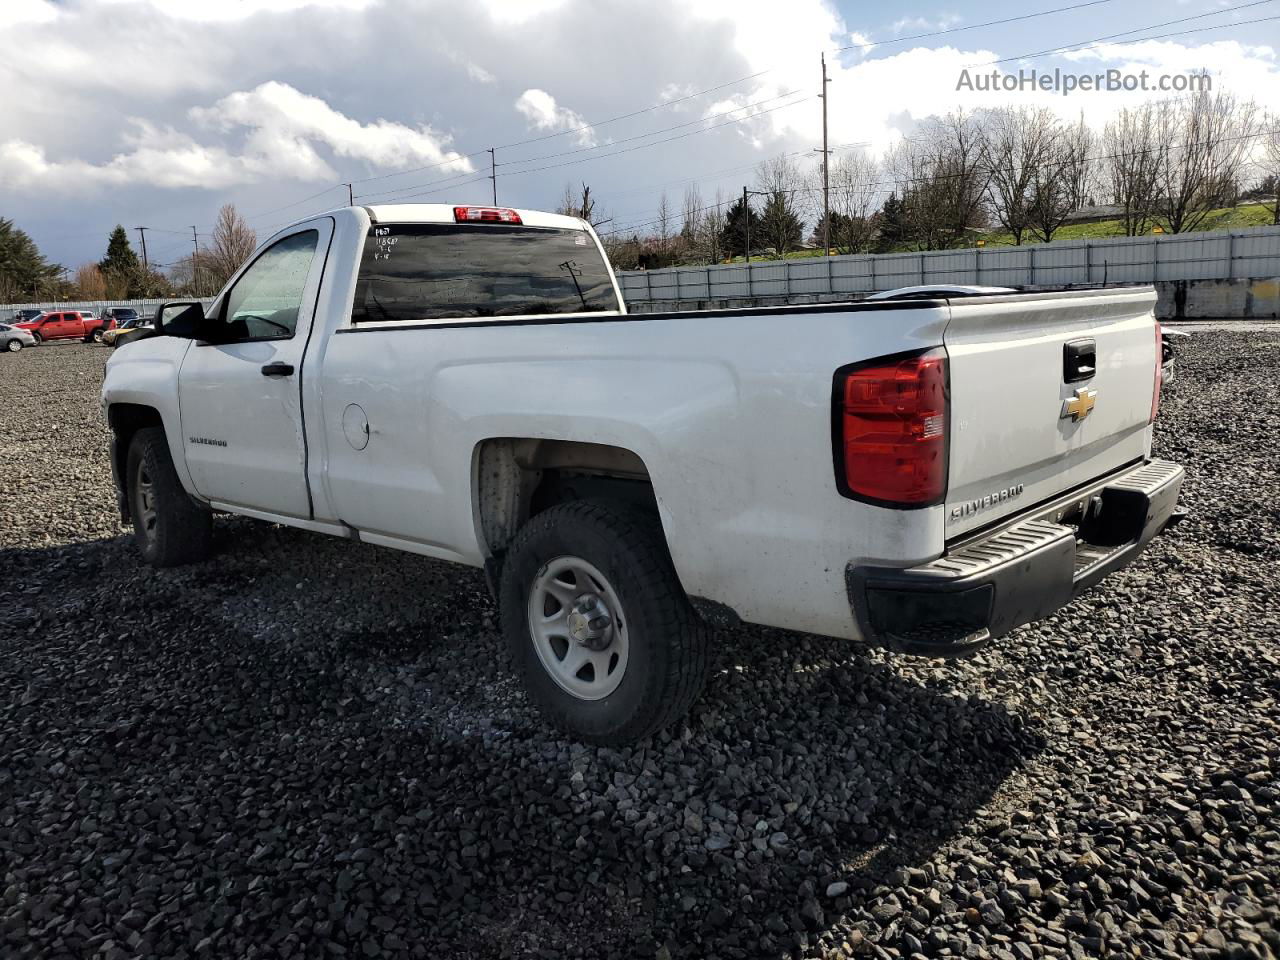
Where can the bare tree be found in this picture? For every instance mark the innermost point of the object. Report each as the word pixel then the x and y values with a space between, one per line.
pixel 581 205
pixel 663 224
pixel 90 284
pixel 568 206
pixel 711 228
pixel 1060 184
pixel 856 195
pixel 1205 140
pixel 1131 146
pixel 692 240
pixel 232 243
pixel 1268 162
pixel 1076 163
pixel 941 177
pixel 1019 143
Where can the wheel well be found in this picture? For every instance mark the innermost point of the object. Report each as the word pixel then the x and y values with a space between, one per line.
pixel 518 478
pixel 126 419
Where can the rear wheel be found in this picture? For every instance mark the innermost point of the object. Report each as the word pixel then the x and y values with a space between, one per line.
pixel 97 335
pixel 597 624
pixel 169 527
pixel 13 346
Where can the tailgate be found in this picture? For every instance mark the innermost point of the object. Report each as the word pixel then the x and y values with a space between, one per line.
pixel 1013 439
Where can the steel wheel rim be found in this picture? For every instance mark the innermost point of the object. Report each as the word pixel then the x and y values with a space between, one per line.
pixel 145 502
pixel 577 626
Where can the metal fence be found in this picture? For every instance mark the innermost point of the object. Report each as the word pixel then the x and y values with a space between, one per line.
pixel 144 307
pixel 1247 253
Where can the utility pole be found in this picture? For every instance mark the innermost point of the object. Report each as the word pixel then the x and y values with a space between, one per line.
pixel 195 263
pixel 351 197
pixel 746 226
pixel 493 173
pixel 142 235
pixel 826 162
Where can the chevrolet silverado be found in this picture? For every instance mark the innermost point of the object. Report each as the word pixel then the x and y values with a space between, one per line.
pixel 466 383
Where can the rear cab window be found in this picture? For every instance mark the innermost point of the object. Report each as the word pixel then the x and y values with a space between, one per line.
pixel 436 272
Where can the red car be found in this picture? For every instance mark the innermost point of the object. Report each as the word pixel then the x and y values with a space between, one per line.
pixel 67 325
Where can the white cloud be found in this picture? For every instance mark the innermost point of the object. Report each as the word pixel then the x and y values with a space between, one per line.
pixel 543 113
pixel 516 12
pixel 210 11
pixel 479 74
pixel 861 43
pixel 17 12
pixel 282 119
pixel 282 128
pixel 943 22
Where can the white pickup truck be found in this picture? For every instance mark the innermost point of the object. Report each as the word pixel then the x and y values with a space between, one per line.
pixel 465 383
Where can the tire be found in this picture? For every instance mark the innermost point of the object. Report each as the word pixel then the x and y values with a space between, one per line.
pixel 659 650
pixel 97 335
pixel 38 339
pixel 169 527
pixel 13 346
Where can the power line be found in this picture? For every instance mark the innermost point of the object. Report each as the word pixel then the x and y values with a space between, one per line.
pixel 651 133
pixel 1154 26
pixel 972 26
pixel 642 136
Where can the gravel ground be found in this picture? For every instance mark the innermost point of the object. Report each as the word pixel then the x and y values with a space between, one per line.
pixel 307 747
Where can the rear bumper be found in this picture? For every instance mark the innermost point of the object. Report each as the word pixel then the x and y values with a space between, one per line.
pixel 1021 571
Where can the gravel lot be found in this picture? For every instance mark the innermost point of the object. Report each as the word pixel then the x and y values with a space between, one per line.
pixel 311 748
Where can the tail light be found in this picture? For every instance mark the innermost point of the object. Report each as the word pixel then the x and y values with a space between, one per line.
pixel 1159 381
pixel 485 215
pixel 890 426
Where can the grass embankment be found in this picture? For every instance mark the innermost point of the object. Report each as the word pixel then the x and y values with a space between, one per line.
pixel 1226 218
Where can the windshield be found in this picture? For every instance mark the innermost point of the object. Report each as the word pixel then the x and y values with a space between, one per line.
pixel 442 271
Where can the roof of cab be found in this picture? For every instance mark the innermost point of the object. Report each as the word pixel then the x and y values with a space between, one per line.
pixel 443 213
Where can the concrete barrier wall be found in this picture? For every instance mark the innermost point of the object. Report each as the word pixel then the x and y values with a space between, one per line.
pixel 1176 300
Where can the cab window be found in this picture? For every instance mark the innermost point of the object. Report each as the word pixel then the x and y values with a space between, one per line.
pixel 265 301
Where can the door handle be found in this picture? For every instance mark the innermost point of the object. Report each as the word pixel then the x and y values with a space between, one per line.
pixel 277 369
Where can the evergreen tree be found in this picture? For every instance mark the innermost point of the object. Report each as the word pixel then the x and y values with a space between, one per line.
pixel 893 223
pixel 120 267
pixel 24 272
pixel 733 239
pixel 780 225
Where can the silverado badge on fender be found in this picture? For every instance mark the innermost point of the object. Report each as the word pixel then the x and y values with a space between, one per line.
pixel 1081 405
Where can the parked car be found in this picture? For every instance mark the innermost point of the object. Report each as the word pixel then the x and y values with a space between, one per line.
pixel 67 325
pixel 128 330
pixel 13 339
pixel 466 383
pixel 24 315
pixel 121 315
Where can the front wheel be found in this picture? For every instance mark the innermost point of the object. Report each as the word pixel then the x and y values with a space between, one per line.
pixel 38 339
pixel 13 346
pixel 597 624
pixel 169 527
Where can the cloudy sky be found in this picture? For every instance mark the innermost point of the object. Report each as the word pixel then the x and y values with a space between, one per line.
pixel 156 112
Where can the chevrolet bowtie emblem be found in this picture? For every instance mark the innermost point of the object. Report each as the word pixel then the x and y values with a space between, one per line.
pixel 1081 405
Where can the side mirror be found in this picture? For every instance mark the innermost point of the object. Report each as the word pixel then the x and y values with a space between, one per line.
pixel 180 318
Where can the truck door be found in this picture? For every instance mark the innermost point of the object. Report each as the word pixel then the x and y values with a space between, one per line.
pixel 240 390
pixel 54 326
